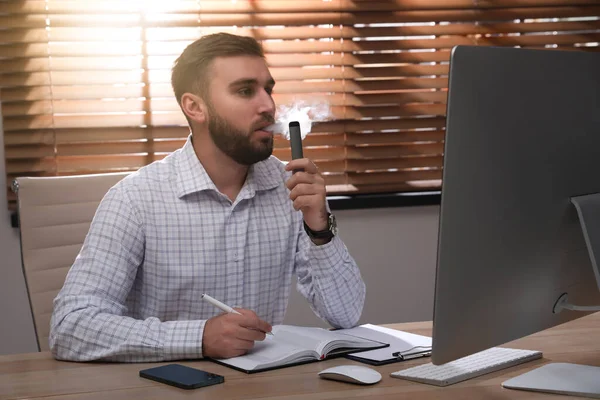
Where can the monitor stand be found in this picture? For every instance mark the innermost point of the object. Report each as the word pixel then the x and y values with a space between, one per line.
pixel 565 378
pixel 588 210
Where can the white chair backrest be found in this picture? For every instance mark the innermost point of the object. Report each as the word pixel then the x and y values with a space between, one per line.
pixel 54 217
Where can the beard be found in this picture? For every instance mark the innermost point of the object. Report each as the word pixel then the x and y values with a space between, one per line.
pixel 237 144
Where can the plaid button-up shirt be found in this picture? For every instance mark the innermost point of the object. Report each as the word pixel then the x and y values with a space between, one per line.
pixel 164 235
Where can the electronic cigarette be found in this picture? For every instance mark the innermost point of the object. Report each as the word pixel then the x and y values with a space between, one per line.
pixel 296 140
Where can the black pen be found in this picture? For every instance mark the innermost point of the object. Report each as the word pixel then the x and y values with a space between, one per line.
pixel 411 355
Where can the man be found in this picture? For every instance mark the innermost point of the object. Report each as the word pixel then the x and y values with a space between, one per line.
pixel 219 216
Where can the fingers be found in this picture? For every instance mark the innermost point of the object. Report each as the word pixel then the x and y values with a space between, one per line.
pixel 230 335
pixel 251 321
pixel 308 189
pixel 250 335
pixel 302 164
pixel 243 345
pixel 302 177
pixel 308 193
pixel 264 326
pixel 226 348
pixel 304 203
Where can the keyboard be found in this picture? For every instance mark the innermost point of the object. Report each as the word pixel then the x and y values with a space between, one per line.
pixel 468 367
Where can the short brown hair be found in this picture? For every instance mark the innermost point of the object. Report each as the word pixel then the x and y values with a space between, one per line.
pixel 190 70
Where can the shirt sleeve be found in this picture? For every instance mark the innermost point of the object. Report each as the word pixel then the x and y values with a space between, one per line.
pixel 89 322
pixel 330 280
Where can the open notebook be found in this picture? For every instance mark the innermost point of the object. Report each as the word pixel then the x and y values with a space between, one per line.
pixel 292 345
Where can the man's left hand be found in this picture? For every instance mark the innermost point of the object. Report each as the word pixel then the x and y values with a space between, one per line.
pixel 307 191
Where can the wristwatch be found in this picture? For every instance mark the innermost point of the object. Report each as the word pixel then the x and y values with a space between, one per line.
pixel 326 233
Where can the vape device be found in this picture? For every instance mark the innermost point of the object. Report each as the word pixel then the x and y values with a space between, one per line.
pixel 296 140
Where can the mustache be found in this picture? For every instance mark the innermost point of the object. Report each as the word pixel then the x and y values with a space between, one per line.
pixel 265 120
pixel 268 118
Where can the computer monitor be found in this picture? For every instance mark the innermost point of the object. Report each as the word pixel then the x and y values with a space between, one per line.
pixel 522 140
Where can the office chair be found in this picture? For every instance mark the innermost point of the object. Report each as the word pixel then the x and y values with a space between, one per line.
pixel 54 217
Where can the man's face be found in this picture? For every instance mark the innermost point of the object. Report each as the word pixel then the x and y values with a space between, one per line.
pixel 239 106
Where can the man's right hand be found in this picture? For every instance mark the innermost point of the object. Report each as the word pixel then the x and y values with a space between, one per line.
pixel 231 335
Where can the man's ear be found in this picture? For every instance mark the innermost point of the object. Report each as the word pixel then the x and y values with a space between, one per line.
pixel 194 108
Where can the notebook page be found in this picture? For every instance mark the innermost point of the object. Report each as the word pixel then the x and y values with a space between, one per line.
pixel 268 353
pixel 304 337
pixel 322 340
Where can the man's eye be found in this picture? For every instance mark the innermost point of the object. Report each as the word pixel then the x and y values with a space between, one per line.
pixel 246 92
pixel 269 90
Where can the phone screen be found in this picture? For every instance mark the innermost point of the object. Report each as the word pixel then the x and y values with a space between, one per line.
pixel 181 376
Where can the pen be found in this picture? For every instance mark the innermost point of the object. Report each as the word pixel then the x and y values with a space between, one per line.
pixel 409 356
pixel 223 307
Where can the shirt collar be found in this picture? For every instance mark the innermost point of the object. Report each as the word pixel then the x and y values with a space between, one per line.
pixel 192 177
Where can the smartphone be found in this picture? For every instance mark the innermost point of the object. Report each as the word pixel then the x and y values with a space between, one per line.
pixel 181 376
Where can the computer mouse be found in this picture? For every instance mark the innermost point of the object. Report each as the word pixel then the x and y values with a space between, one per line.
pixel 352 374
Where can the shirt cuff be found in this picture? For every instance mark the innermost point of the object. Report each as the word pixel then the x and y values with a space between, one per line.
pixel 334 250
pixel 183 339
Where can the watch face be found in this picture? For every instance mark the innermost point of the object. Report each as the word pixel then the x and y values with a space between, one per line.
pixel 332 224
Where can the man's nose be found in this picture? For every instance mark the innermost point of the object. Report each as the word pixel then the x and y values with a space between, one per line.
pixel 266 103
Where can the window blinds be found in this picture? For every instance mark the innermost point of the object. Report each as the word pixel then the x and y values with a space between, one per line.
pixel 85 85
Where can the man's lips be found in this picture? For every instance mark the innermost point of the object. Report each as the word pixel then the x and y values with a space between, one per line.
pixel 262 133
pixel 262 127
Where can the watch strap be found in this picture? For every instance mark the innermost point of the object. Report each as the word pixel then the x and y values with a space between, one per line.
pixel 326 233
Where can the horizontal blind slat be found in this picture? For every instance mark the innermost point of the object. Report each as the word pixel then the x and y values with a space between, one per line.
pixel 412 186
pixel 131 49
pixel 102 135
pixel 400 163
pixel 170 119
pixel 165 90
pixel 33 94
pixel 170 105
pixel 215 6
pixel 299 19
pixel 36 64
pixel 163 76
pixel 290 33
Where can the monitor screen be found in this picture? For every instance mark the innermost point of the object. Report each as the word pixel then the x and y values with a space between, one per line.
pixel 522 139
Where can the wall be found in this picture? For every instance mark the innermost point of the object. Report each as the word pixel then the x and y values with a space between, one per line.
pixel 16 332
pixel 395 249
